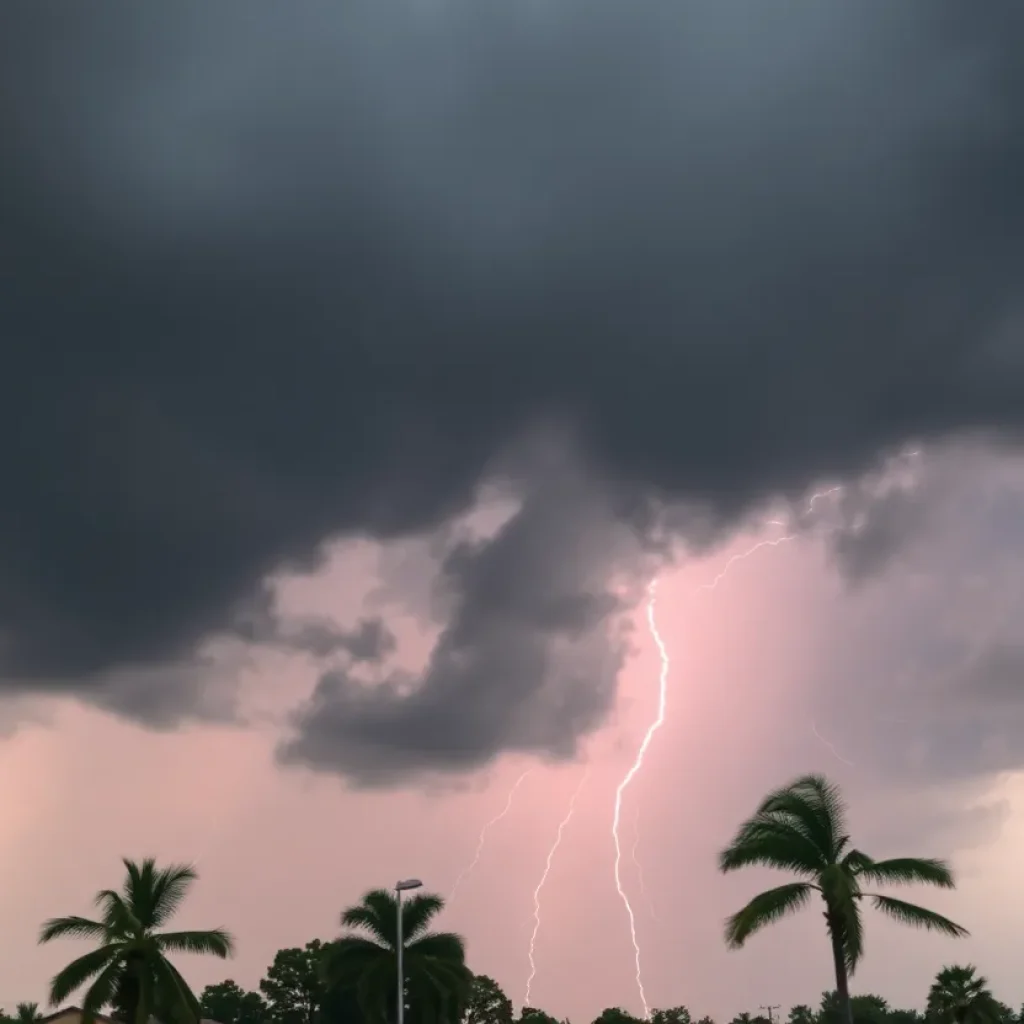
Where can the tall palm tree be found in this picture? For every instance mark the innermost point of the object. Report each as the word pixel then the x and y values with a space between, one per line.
pixel 801 828
pixel 434 963
pixel 130 968
pixel 959 995
pixel 27 1013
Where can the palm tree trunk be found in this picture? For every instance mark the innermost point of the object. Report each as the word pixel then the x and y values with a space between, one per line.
pixel 126 1003
pixel 842 979
pixel 130 1004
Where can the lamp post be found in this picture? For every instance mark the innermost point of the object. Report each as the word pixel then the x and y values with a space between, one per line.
pixel 400 887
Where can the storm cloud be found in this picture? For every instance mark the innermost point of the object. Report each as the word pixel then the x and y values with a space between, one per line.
pixel 527 661
pixel 279 275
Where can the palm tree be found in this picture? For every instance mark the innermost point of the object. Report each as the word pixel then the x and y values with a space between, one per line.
pixel 434 963
pixel 27 1013
pixel 130 968
pixel 959 995
pixel 802 829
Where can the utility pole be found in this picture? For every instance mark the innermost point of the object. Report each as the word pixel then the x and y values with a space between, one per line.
pixel 771 1012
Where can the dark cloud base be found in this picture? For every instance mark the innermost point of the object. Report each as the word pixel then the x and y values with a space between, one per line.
pixel 274 276
pixel 527 660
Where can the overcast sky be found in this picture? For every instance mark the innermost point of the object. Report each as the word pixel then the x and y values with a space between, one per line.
pixel 363 366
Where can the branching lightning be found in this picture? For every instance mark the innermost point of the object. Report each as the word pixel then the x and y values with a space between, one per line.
pixel 773 542
pixel 543 879
pixel 483 834
pixel 659 721
pixel 638 763
pixel 768 542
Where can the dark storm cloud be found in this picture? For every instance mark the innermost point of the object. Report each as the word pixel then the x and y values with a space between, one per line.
pixel 921 680
pixel 369 640
pixel 275 274
pixel 527 662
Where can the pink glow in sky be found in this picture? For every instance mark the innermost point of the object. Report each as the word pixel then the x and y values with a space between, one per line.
pixel 759 691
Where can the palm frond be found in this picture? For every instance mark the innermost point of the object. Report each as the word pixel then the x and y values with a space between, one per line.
pixel 437 987
pixel 445 947
pixel 814 806
pixel 71 928
pixel 918 917
pixel 118 917
pixel 764 909
pixel 772 841
pixel 852 933
pixel 829 798
pixel 345 960
pixel 907 871
pixel 101 991
pixel 856 861
pixel 418 911
pixel 173 993
pixel 191 998
pixel 79 971
pixel 213 942
pixel 170 887
pixel 960 979
pixel 137 890
pixel 371 990
pixel 376 914
pixel 960 993
pixel 842 897
pixel 360 917
pixel 450 979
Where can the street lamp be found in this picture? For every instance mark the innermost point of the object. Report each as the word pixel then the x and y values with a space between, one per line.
pixel 400 887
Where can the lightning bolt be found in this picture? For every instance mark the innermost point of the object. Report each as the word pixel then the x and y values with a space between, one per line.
pixel 773 542
pixel 768 542
pixel 638 763
pixel 640 867
pixel 830 746
pixel 659 720
pixel 543 879
pixel 483 834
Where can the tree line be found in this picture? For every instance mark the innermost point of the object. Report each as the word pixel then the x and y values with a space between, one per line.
pixel 800 829
pixel 293 992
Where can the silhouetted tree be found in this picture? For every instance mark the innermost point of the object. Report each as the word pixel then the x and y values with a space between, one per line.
pixel 616 1015
pixel 531 1015
pixel 671 1015
pixel 906 1017
pixel 130 968
pixel 294 985
pixel 487 1003
pixel 228 1003
pixel 959 995
pixel 802 829
pixel 434 963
